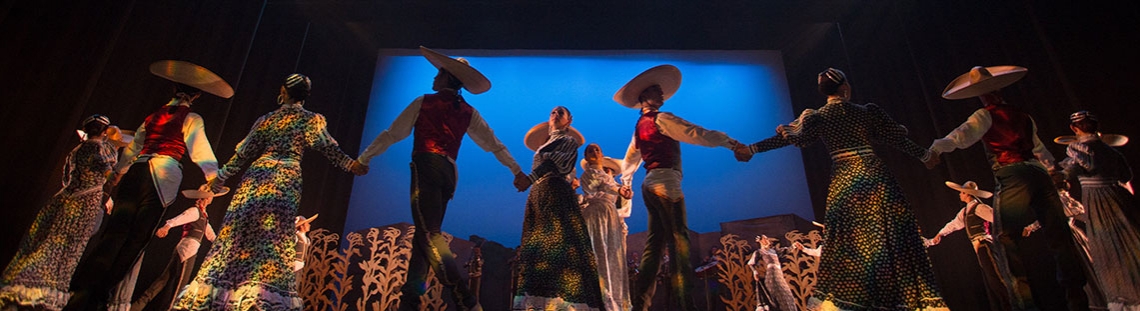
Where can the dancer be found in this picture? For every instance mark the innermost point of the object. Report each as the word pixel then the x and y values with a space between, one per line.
pixel 976 218
pixel 557 266
pixel 250 266
pixel 656 142
pixel 39 275
pixel 148 174
pixel 604 201
pixel 772 290
pixel 440 121
pixel 1113 228
pixel 1050 267
pixel 195 224
pixel 875 256
pixel 303 226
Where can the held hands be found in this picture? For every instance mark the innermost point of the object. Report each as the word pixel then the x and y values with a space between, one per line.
pixel 521 182
pixel 934 160
pixel 742 152
pixel 625 192
pixel 797 245
pixel 574 183
pixel 161 233
pixel 357 168
pixel 933 241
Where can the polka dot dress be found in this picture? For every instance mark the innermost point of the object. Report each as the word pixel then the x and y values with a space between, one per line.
pixel 873 256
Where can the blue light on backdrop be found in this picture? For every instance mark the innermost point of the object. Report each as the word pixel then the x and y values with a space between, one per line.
pixel 743 93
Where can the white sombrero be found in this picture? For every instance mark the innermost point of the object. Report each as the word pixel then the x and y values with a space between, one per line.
pixel 193 75
pixel 474 81
pixel 301 220
pixel 668 77
pixel 538 135
pixel 981 80
pixel 199 194
pixel 970 188
pixel 607 162
pixel 1115 140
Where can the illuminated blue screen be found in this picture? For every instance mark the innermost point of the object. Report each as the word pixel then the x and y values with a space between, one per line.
pixel 742 93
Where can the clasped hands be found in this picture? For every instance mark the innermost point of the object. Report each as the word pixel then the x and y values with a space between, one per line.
pixel 522 182
pixel 742 152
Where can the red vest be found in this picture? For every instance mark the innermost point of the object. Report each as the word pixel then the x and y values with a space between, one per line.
pixel 1010 138
pixel 657 150
pixel 442 122
pixel 164 132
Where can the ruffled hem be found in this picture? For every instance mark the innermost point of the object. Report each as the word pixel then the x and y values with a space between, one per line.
pixel 1123 306
pixel 831 304
pixel 247 296
pixel 35 297
pixel 532 303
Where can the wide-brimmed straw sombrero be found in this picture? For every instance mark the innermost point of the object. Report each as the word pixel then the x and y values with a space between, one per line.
pixel 199 194
pixel 607 162
pixel 1115 140
pixel 474 81
pixel 970 188
pixel 981 80
pixel 668 77
pixel 301 220
pixel 537 135
pixel 193 75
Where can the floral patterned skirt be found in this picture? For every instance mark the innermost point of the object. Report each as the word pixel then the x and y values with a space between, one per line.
pixel 557 268
pixel 250 264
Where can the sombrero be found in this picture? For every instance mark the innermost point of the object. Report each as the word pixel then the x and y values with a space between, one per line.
pixel 474 81
pixel 668 77
pixel 537 135
pixel 199 194
pixel 607 162
pixel 301 220
pixel 981 80
pixel 193 75
pixel 970 188
pixel 1115 140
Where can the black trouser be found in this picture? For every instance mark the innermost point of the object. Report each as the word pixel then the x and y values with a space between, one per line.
pixel 997 287
pixel 160 294
pixel 137 212
pixel 668 235
pixel 433 184
pixel 1047 260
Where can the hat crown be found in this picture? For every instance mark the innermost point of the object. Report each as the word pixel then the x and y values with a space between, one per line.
pixel 970 185
pixel 979 73
pixel 1081 116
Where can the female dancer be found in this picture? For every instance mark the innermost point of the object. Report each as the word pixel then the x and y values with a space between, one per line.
pixel 602 213
pixel 250 265
pixel 39 276
pixel 875 257
pixel 557 268
pixel 773 292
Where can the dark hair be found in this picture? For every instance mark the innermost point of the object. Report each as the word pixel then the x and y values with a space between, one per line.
pixel 453 82
pixel 641 98
pixel 568 114
pixel 95 124
pixel 830 80
pixel 1087 125
pixel 298 86
pixel 189 90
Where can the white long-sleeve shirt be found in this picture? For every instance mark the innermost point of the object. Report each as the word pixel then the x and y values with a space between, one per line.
pixel 166 171
pixel 959 221
pixel 189 247
pixel 402 127
pixel 976 126
pixel 668 182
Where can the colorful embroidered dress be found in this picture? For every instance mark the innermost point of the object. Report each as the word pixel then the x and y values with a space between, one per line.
pixel 875 258
pixel 250 265
pixel 40 273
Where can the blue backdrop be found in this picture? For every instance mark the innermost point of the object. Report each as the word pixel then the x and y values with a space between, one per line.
pixel 742 93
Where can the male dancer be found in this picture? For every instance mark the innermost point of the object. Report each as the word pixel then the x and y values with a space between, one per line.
pixel 656 141
pixel 195 223
pixel 148 176
pixel 976 218
pixel 440 120
pixel 1025 191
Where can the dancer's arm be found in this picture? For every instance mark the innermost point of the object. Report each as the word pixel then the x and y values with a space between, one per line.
pixel 400 129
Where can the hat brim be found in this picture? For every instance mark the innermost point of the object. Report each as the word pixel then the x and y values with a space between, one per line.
pixel 199 194
pixel 607 162
pixel 1114 140
pixel 193 75
pixel 1003 76
pixel 308 220
pixel 668 77
pixel 539 133
pixel 474 81
pixel 974 192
